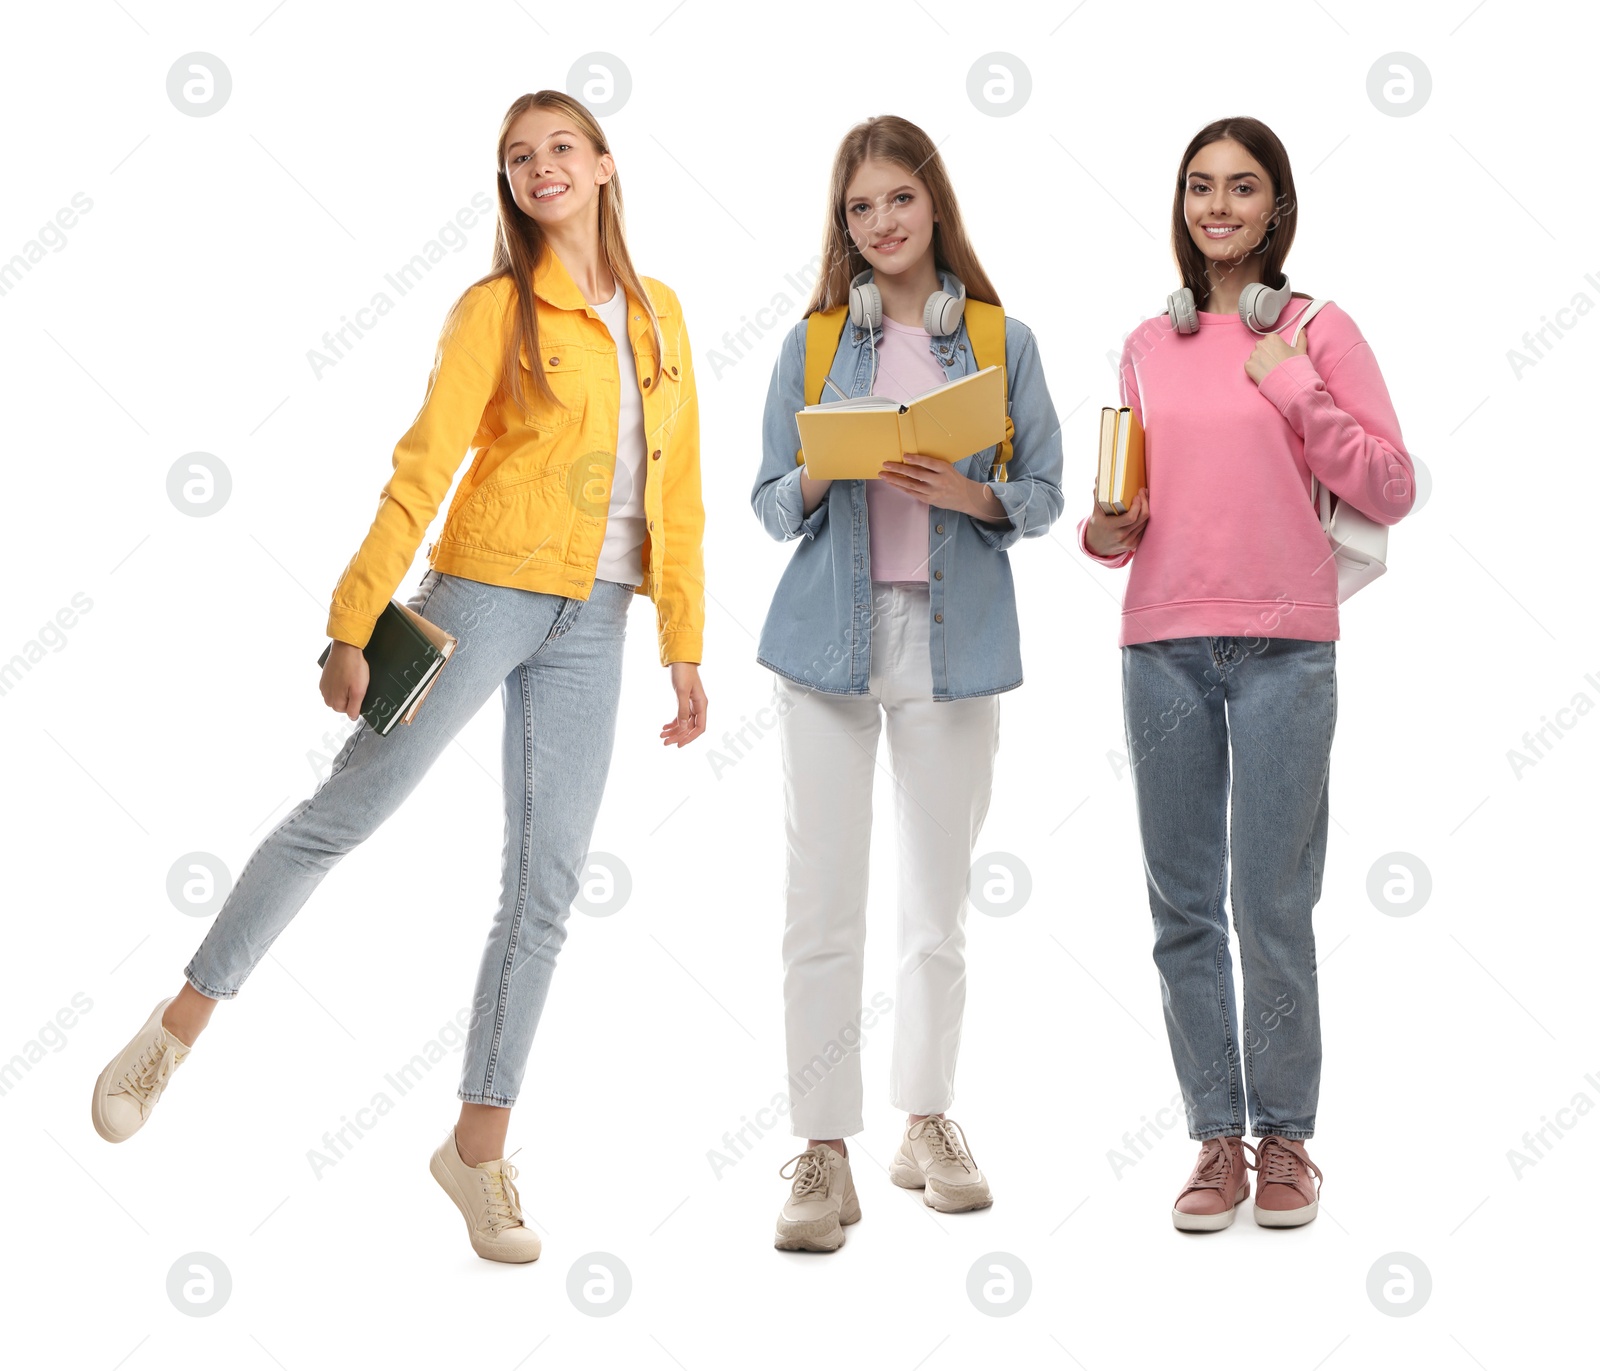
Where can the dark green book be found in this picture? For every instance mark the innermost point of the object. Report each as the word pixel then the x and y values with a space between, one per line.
pixel 404 656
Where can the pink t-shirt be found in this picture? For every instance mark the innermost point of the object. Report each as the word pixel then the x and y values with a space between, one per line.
pixel 1233 546
pixel 897 523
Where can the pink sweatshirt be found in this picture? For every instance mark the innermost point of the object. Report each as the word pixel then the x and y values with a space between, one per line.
pixel 897 523
pixel 1233 546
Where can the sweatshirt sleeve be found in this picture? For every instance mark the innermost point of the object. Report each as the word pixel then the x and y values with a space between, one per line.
pixel 1129 383
pixel 466 372
pixel 1345 419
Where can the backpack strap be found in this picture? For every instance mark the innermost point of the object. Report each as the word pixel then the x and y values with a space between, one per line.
pixel 823 329
pixel 986 330
pixel 1321 496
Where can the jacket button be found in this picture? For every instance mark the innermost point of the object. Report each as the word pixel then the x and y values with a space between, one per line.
pixel 938 528
pixel 674 371
pixel 646 383
pixel 938 575
pixel 938 618
pixel 555 361
pixel 656 455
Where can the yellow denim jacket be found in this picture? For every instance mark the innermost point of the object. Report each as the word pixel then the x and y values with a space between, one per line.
pixel 531 510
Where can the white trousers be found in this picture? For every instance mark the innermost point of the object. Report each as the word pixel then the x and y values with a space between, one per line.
pixel 941 755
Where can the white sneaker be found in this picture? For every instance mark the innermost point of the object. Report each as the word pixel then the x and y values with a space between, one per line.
pixel 133 1080
pixel 933 1158
pixel 821 1201
pixel 488 1201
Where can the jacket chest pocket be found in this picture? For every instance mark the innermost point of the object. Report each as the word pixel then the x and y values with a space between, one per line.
pixel 670 394
pixel 565 368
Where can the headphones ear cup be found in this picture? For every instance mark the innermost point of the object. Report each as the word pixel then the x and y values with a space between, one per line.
pixel 942 312
pixel 1260 306
pixel 866 305
pixel 1180 309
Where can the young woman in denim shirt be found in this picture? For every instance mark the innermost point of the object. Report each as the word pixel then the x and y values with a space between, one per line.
pixel 1228 638
pixel 897 605
pixel 570 375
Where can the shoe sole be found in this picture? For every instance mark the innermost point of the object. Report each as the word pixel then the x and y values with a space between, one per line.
pixel 793 1238
pixel 1285 1218
pixel 1207 1223
pixel 441 1173
pixel 911 1178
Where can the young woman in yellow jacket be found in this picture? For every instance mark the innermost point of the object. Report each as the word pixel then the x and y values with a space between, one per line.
pixel 571 376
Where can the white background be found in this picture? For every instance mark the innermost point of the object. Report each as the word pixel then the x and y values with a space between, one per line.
pixel 180 713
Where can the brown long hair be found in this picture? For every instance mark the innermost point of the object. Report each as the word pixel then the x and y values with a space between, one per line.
pixel 519 242
pixel 1262 144
pixel 889 138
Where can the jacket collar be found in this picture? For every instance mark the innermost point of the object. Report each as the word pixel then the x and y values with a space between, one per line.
pixel 553 284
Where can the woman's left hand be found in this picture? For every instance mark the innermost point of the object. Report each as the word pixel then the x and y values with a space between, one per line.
pixel 691 720
pixel 1269 352
pixel 933 481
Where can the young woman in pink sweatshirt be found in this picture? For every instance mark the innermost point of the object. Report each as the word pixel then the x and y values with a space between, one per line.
pixel 1229 624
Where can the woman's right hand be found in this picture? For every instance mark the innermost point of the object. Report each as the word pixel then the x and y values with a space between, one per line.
pixel 1110 535
pixel 344 679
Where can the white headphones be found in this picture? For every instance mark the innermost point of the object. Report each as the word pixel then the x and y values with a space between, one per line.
pixel 940 315
pixel 1259 306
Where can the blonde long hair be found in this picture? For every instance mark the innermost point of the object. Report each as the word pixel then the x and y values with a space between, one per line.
pixel 889 138
pixel 519 243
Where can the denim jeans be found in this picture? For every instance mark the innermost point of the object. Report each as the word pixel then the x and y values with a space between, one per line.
pixel 558 664
pixel 1271 702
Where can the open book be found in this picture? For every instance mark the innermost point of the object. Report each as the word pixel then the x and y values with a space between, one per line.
pixel 851 439
pixel 404 657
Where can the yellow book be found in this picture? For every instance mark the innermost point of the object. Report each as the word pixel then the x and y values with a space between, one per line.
pixel 1121 460
pixel 851 439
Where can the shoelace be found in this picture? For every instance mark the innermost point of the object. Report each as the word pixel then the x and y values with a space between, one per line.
pixel 810 1172
pixel 1214 1170
pixel 942 1140
pixel 1278 1164
pixel 505 1204
pixel 148 1076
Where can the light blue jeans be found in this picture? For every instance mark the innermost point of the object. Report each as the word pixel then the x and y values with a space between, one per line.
pixel 558 664
pixel 1271 702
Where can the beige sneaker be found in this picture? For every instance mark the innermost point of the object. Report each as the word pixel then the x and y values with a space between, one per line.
pixel 821 1201
pixel 488 1201
pixel 933 1158
pixel 133 1080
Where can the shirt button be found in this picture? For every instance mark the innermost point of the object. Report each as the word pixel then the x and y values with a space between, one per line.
pixel 938 575
pixel 555 361
pixel 674 371
pixel 938 618
pixel 938 528
pixel 646 383
pixel 656 455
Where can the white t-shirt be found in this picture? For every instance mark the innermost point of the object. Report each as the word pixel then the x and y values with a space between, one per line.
pixel 622 552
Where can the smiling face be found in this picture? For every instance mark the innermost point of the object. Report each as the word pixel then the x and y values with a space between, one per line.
pixel 554 170
pixel 1228 201
pixel 890 216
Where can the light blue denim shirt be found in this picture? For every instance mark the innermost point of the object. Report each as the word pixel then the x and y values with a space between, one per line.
pixel 818 630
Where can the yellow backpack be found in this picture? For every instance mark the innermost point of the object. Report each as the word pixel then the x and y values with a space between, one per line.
pixel 986 328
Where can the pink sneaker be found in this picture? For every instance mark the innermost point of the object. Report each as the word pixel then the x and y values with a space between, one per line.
pixel 1218 1184
pixel 1285 1197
